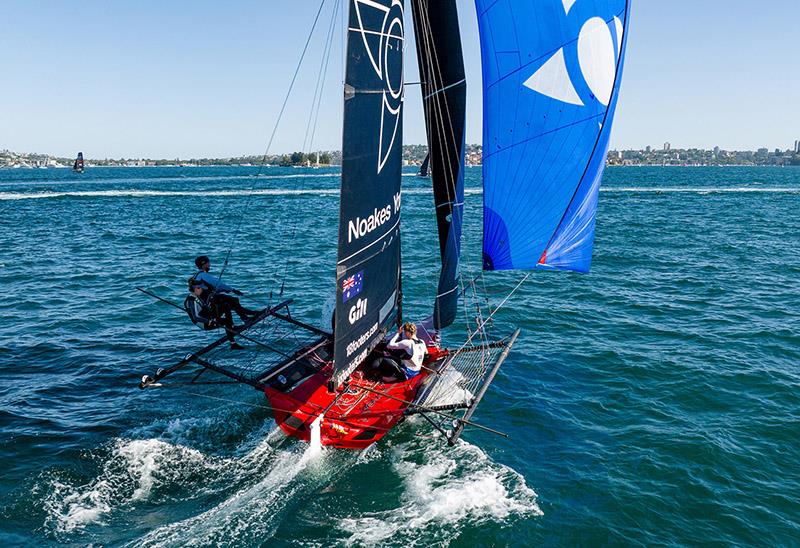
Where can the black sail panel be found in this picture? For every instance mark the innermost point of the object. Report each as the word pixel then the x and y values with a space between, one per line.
pixel 423 169
pixel 368 262
pixel 444 91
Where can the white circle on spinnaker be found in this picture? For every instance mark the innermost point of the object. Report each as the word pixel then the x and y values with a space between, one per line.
pixel 597 58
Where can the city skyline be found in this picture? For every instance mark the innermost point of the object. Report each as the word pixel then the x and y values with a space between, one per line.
pixel 189 80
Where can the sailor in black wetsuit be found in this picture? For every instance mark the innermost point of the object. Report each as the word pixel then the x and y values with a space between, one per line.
pixel 209 311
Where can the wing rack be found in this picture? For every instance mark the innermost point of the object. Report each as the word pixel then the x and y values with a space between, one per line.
pixel 461 382
pixel 279 344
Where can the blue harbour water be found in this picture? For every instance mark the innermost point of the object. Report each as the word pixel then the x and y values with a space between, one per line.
pixel 655 401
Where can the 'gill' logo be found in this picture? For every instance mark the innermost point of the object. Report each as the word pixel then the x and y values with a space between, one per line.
pixel 357 311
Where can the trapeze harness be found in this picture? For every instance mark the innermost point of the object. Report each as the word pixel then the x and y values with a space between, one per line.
pixel 198 309
pixel 200 313
pixel 415 350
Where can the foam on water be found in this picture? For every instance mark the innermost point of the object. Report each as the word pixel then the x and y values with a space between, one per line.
pixel 131 193
pixel 134 469
pixel 164 193
pixel 444 489
pixel 251 514
pixel 71 508
pixel 701 190
pixel 130 180
pixel 143 470
pixel 261 482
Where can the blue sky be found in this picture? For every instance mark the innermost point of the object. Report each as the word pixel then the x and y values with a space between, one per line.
pixel 202 78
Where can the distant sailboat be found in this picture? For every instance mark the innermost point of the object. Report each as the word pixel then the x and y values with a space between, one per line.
pixel 423 169
pixel 547 119
pixel 77 167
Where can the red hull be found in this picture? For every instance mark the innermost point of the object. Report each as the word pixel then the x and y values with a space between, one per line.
pixel 357 418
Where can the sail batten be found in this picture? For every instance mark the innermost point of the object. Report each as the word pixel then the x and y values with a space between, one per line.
pixel 368 259
pixel 551 79
pixel 441 67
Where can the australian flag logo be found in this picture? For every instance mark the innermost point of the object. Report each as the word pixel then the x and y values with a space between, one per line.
pixel 352 286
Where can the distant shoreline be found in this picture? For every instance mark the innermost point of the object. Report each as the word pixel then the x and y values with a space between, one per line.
pixel 120 166
pixel 413 155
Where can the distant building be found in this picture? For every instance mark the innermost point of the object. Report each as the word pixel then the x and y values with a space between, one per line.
pixel 797 147
pixel 716 150
pixel 647 148
pixel 667 146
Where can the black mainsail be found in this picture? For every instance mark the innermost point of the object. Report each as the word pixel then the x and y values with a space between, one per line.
pixel 368 262
pixel 78 165
pixel 423 169
pixel 444 91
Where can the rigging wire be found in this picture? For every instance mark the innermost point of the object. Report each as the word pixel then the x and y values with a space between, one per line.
pixel 497 308
pixel 318 99
pixel 234 234
pixel 314 125
pixel 471 287
pixel 320 84
pixel 440 117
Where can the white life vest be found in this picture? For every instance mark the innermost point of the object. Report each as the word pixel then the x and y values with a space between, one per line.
pixel 414 362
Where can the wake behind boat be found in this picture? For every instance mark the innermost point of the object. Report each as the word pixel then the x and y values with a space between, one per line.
pixel 543 161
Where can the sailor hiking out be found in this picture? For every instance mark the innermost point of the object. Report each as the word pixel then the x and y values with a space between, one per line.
pixel 406 354
pixel 219 290
pixel 210 304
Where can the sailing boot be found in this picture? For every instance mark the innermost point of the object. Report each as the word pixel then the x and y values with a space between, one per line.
pixel 246 314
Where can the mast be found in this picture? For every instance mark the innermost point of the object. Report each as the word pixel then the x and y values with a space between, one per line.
pixel 368 259
pixel 444 91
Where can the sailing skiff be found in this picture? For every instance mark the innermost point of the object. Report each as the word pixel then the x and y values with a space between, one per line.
pixel 551 77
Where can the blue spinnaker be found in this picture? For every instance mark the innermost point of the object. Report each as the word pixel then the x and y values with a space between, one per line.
pixel 551 77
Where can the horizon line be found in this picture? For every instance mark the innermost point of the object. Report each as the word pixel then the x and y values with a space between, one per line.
pixel 671 148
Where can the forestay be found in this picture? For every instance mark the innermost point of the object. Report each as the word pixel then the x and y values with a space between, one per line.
pixel 441 69
pixel 368 262
pixel 551 76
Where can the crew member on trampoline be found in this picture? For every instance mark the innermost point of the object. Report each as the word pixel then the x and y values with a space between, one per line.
pixel 219 291
pixel 407 354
